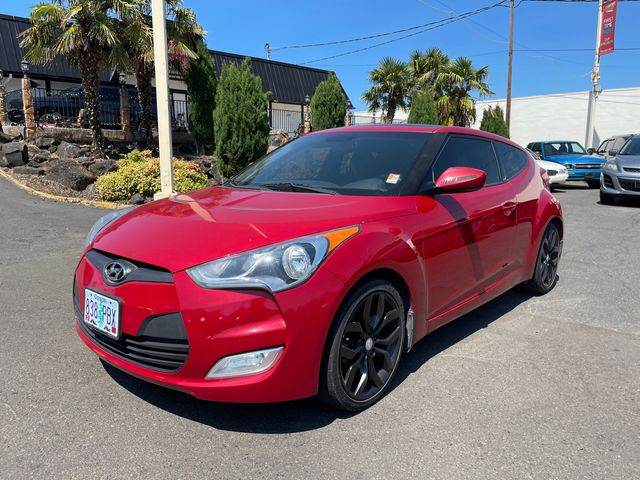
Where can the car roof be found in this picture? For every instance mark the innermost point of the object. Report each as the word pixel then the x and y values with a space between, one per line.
pixel 410 127
pixel 553 141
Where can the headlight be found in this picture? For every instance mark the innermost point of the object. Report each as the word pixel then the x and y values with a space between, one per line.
pixel 611 166
pixel 103 222
pixel 274 268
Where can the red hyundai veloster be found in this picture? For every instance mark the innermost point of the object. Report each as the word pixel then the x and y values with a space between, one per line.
pixel 315 268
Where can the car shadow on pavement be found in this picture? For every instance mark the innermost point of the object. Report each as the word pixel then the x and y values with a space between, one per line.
pixel 309 414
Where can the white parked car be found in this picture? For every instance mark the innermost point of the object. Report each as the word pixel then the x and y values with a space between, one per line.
pixel 557 173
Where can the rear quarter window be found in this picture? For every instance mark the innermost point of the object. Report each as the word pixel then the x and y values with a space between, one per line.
pixel 512 160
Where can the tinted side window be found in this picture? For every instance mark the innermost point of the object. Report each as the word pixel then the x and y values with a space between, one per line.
pixel 468 152
pixel 512 160
pixel 537 147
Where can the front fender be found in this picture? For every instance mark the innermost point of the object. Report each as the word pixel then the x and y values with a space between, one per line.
pixel 377 248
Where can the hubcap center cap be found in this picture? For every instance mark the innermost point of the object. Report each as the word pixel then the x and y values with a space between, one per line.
pixel 368 345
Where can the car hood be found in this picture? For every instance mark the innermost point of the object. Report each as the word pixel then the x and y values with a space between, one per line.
pixel 628 160
pixel 564 159
pixel 550 165
pixel 190 229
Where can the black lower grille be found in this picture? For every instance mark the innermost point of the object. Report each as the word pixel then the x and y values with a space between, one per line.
pixel 154 352
pixel 632 170
pixel 630 184
pixel 608 181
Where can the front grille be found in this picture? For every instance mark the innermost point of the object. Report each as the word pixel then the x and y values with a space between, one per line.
pixel 630 184
pixel 140 272
pixel 607 180
pixel 631 170
pixel 166 351
pixel 586 166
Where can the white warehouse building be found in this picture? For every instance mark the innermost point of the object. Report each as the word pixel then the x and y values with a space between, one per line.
pixel 563 116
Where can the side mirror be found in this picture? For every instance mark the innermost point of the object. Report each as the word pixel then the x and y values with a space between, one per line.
pixel 460 179
pixel 613 152
pixel 591 151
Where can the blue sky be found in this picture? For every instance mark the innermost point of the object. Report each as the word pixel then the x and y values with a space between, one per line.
pixel 243 26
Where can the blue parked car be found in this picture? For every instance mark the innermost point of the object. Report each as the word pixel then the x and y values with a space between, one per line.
pixel 580 165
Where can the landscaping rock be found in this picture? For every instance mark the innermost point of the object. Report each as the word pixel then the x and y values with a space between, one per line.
pixel 45 142
pixel 14 154
pixel 91 189
pixel 24 170
pixel 4 138
pixel 69 150
pixel 53 149
pixel 137 199
pixel 33 149
pixel 100 167
pixel 70 174
pixel 41 156
pixel 38 160
pixel 85 161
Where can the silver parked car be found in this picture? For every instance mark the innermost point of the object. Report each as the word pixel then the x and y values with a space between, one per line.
pixel 621 175
pixel 610 147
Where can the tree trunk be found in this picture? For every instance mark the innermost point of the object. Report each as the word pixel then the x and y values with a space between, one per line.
pixel 391 111
pixel 143 84
pixel 91 87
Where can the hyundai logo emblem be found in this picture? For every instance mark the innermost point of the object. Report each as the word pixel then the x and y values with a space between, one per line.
pixel 115 272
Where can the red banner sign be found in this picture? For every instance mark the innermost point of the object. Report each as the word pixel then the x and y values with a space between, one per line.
pixel 608 27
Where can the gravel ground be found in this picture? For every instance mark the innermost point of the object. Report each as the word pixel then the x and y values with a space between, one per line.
pixel 524 387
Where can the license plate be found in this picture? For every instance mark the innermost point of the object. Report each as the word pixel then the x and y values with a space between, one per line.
pixel 102 313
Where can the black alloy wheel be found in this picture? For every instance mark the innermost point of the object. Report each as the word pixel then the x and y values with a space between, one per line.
pixel 366 346
pixel 545 275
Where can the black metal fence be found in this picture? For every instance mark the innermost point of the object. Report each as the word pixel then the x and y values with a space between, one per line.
pixel 65 108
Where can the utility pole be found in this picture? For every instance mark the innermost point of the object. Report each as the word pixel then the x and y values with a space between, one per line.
pixel 510 72
pixel 161 61
pixel 597 89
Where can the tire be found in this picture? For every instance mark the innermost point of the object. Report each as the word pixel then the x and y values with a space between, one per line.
pixel 607 199
pixel 368 335
pixel 593 183
pixel 545 275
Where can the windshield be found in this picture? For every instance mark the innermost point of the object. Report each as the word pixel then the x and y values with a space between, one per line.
pixel 563 148
pixel 346 163
pixel 631 147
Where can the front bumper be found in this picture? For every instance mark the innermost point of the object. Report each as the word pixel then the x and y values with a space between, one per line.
pixel 578 174
pixel 620 183
pixel 217 323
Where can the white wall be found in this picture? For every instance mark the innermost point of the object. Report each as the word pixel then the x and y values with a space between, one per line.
pixel 564 116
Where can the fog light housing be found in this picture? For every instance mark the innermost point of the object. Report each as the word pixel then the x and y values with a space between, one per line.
pixel 249 363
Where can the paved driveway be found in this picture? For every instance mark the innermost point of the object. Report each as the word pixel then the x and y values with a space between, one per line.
pixel 525 387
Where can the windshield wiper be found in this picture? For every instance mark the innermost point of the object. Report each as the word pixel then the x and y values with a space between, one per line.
pixel 231 183
pixel 297 187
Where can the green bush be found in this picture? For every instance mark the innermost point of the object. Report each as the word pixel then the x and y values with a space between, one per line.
pixel 328 105
pixel 139 172
pixel 240 120
pixel 493 121
pixel 423 109
pixel 201 85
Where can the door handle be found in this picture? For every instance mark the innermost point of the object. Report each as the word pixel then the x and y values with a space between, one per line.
pixel 508 208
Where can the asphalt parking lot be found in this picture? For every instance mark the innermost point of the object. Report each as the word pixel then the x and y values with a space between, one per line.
pixel 525 387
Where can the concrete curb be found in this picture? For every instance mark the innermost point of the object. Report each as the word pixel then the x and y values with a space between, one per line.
pixel 59 198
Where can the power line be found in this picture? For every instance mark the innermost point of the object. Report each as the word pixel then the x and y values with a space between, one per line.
pixel 440 23
pixel 402 30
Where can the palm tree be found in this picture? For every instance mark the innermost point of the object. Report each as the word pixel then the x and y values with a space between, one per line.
pixel 425 67
pixel 84 33
pixel 389 89
pixel 453 86
pixel 137 37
